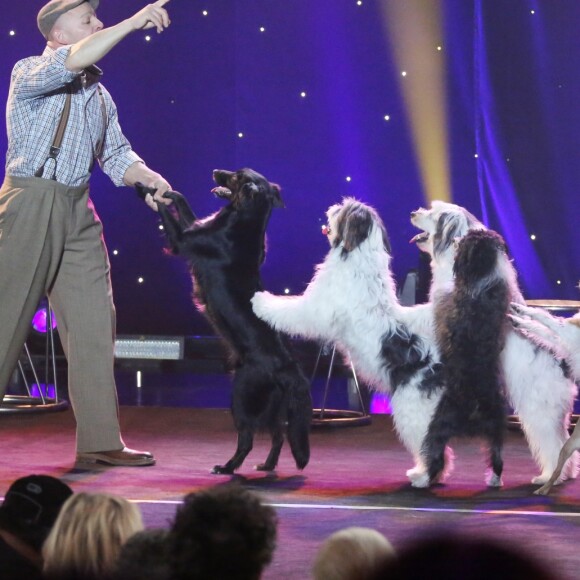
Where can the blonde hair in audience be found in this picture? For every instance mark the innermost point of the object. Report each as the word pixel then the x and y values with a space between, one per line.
pixel 88 534
pixel 351 554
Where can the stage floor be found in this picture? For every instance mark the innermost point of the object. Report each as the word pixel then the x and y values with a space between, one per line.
pixel 355 477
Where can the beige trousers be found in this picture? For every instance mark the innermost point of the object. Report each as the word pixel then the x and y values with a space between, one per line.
pixel 51 244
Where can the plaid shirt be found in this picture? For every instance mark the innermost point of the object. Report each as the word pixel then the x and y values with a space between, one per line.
pixel 36 99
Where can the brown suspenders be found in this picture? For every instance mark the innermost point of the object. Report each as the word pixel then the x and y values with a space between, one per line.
pixel 56 142
pixel 58 136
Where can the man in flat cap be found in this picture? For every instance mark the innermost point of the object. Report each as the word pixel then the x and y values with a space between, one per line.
pixel 60 120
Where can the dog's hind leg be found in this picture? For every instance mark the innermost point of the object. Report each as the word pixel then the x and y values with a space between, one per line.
pixel 438 435
pixel 272 459
pixel 572 445
pixel 493 476
pixel 542 397
pixel 245 444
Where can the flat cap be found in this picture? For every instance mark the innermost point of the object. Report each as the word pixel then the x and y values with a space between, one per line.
pixel 50 12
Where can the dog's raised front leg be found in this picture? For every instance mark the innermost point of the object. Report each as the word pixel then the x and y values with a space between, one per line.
pixel 294 315
pixel 186 217
pixel 245 444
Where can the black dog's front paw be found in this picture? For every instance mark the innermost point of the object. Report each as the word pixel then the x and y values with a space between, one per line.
pixel 222 469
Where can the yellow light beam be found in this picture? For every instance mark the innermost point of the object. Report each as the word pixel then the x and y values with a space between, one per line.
pixel 414 29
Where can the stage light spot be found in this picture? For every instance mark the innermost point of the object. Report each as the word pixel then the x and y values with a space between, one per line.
pixel 387 117
pixel 439 48
pixel 40 320
pixel 262 29
pixel 404 73
pixel 115 252
pixel 205 12
pixel 303 94
pixel 147 38
pixel 359 3
pixel 161 226
pixel 140 280
pixel 240 135
pixel 349 178
pixel 533 237
pixel 12 33
pixel 286 290
pixel 476 155
pixel 532 11
pixel 558 281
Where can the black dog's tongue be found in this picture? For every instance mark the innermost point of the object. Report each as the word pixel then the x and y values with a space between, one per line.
pixel 221 191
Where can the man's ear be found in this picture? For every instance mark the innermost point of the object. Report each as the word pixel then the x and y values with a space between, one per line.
pixel 59 35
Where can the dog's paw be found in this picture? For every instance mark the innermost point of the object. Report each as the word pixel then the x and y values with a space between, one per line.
pixel 416 471
pixel 544 490
pixel 264 467
pixel 257 301
pixel 222 469
pixel 543 478
pixel 493 480
pixel 420 481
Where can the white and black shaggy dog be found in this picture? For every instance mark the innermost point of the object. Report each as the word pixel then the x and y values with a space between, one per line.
pixel 352 302
pixel 538 386
pixel 563 336
pixel 225 252
pixel 471 325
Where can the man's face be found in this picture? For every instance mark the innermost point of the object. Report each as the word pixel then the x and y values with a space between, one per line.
pixel 76 24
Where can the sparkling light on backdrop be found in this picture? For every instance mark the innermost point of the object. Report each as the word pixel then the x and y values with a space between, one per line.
pixel 395 102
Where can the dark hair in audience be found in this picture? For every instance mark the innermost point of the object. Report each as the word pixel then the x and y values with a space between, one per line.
pixel 223 533
pixel 144 556
pixel 459 558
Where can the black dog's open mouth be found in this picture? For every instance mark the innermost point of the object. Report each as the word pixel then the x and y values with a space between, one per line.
pixel 221 191
pixel 419 238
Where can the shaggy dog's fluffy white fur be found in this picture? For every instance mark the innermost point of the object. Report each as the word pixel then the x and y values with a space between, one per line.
pixel 563 336
pixel 352 302
pixel 538 386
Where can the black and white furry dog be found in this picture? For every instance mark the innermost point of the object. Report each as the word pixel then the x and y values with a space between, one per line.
pixel 562 335
pixel 539 388
pixel 352 302
pixel 225 252
pixel 471 325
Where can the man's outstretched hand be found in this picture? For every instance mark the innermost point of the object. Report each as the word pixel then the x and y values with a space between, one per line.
pixel 152 16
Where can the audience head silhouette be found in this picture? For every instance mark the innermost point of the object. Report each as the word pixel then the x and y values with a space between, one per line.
pixel 223 533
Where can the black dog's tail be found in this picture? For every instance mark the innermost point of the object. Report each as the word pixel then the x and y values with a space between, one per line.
pixel 299 414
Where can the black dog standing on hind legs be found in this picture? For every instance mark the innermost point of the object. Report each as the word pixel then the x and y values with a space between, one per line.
pixel 225 252
pixel 471 326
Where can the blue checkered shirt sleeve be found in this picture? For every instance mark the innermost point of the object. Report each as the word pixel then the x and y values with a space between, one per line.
pixel 36 99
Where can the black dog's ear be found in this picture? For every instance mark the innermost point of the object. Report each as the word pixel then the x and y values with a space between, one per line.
pixel 276 189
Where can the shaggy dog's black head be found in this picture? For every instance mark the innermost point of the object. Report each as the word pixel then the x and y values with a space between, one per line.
pixel 350 224
pixel 476 258
pixel 245 186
